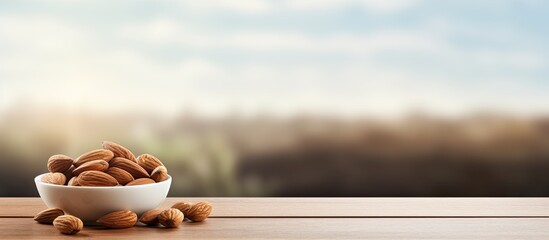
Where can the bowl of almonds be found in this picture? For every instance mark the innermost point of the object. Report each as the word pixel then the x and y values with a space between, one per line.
pixel 103 181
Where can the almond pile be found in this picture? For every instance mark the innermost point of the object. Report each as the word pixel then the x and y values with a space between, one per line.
pixel 169 218
pixel 113 165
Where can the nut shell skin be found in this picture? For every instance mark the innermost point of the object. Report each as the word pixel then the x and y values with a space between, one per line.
pixel 68 224
pixel 122 176
pixel 171 218
pixel 150 217
pixel 98 154
pixel 97 165
pixel 140 181
pixel 184 207
pixel 129 166
pixel 199 211
pixel 96 178
pixel 59 163
pixel 118 150
pixel 47 216
pixel 54 178
pixel 73 182
pixel 118 219
pixel 148 162
pixel 159 174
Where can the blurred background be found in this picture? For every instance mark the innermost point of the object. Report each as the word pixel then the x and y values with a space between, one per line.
pixel 284 98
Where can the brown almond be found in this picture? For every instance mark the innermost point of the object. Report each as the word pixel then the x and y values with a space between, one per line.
pixel 159 174
pixel 171 218
pixel 59 163
pixel 73 182
pixel 96 178
pixel 122 176
pixel 96 165
pixel 47 216
pixel 54 178
pixel 184 207
pixel 140 181
pixel 148 162
pixel 119 150
pixel 129 166
pixel 99 154
pixel 119 219
pixel 68 173
pixel 150 217
pixel 199 211
pixel 68 224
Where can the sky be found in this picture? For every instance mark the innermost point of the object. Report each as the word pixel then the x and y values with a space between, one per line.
pixel 346 57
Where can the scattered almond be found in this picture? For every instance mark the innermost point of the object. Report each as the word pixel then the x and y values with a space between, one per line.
pixel 150 217
pixel 148 162
pixel 59 163
pixel 184 207
pixel 159 174
pixel 99 154
pixel 199 211
pixel 122 176
pixel 68 224
pixel 96 178
pixel 140 181
pixel 129 166
pixel 171 218
pixel 47 216
pixel 54 178
pixel 119 219
pixel 97 165
pixel 119 150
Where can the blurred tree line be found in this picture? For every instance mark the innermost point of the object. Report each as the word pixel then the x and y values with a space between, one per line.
pixel 308 155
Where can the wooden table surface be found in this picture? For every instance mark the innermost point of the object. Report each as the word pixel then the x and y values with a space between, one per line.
pixel 318 218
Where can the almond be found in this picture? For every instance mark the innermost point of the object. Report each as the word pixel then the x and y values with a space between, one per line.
pixel 171 218
pixel 199 211
pixel 99 154
pixel 96 178
pixel 73 182
pixel 119 219
pixel 68 173
pixel 129 166
pixel 184 207
pixel 122 176
pixel 68 224
pixel 140 181
pixel 148 162
pixel 47 216
pixel 54 178
pixel 118 150
pixel 150 217
pixel 97 165
pixel 159 174
pixel 59 163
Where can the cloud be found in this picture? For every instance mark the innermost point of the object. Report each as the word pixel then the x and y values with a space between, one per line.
pixel 427 43
pixel 255 7
pixel 242 6
pixel 164 31
pixel 376 6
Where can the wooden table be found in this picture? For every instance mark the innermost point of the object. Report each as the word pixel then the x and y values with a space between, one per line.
pixel 319 218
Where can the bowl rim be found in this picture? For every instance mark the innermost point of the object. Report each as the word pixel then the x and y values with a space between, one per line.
pixel 37 180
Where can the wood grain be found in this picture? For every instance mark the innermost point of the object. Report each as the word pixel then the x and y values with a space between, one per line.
pixel 303 228
pixel 337 207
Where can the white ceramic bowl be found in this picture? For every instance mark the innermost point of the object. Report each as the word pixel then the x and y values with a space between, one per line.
pixel 90 203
